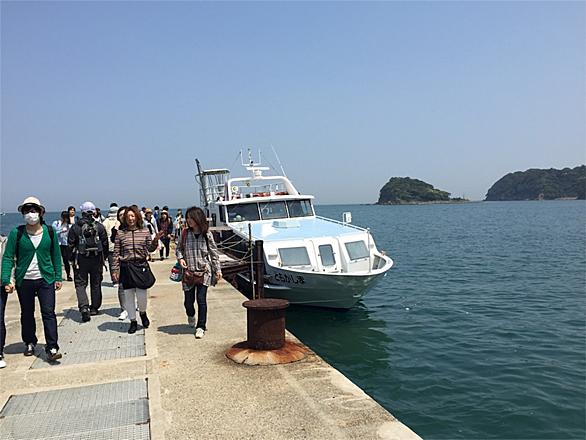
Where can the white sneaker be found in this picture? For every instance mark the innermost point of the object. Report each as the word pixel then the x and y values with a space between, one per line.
pixel 199 332
pixel 123 315
pixel 2 362
pixel 191 321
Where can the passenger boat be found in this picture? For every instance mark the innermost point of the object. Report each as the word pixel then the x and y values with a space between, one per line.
pixel 308 259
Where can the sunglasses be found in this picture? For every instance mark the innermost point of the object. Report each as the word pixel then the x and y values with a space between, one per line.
pixel 30 208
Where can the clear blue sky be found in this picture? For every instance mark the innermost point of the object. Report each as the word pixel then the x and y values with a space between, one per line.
pixel 113 101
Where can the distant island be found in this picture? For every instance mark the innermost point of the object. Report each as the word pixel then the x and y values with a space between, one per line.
pixel 536 184
pixel 405 190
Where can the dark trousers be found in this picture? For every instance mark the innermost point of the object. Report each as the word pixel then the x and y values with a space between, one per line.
pixel 88 267
pixel 26 296
pixel 166 242
pixel 65 258
pixel 200 293
pixel 110 261
pixel 3 299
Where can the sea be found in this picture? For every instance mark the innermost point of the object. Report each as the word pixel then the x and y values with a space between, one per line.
pixel 479 329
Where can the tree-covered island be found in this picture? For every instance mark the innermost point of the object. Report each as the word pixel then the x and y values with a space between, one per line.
pixel 405 190
pixel 537 184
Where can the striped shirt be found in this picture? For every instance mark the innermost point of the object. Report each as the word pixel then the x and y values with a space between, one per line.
pixel 199 255
pixel 132 245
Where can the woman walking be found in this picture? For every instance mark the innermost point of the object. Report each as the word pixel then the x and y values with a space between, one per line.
pixel 197 254
pixel 33 251
pixel 62 228
pixel 165 225
pixel 112 231
pixel 132 246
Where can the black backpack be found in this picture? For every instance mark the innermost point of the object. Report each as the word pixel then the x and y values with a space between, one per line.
pixel 20 233
pixel 89 239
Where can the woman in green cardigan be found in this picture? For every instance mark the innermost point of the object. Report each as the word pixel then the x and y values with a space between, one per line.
pixel 34 250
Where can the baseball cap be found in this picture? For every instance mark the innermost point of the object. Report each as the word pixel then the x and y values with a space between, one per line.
pixel 87 207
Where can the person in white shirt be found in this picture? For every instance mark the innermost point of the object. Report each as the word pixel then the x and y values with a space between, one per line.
pixel 62 228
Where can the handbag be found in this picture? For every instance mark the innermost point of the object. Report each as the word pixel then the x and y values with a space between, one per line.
pixel 176 273
pixel 193 278
pixel 140 275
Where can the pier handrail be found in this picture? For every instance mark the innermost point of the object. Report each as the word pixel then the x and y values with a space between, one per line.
pixel 341 223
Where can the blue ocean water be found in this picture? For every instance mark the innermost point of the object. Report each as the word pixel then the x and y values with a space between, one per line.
pixel 479 329
pixel 13 219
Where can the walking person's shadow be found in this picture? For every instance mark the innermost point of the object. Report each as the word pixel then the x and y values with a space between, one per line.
pixel 176 329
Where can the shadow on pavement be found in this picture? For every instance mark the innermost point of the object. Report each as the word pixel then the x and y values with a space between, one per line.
pixel 176 329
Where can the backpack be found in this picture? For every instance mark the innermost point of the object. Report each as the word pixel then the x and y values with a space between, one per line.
pixel 89 239
pixel 20 233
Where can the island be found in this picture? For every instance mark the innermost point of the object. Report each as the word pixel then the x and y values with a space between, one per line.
pixel 405 190
pixel 540 184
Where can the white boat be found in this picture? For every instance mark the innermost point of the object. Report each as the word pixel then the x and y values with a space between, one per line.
pixel 308 259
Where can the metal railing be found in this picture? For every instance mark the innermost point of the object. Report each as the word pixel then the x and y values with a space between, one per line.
pixel 341 223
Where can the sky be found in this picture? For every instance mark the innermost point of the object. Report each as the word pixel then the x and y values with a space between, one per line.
pixel 113 101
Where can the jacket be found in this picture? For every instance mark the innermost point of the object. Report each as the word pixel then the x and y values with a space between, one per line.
pixel 110 223
pixel 49 258
pixel 200 254
pixel 132 245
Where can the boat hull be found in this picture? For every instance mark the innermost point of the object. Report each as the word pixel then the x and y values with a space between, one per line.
pixel 338 291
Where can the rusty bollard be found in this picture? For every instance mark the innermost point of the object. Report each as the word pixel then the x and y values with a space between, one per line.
pixel 266 343
pixel 266 323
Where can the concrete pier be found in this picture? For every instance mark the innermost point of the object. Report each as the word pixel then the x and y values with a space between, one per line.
pixel 162 383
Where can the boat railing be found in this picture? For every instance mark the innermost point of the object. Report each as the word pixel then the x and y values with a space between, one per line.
pixel 341 223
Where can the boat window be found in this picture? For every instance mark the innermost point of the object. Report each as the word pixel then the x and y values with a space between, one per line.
pixel 273 210
pixel 241 213
pixel 296 256
pixel 222 214
pixel 299 208
pixel 326 253
pixel 357 250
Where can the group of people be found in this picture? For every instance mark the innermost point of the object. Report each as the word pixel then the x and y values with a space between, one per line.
pixel 31 264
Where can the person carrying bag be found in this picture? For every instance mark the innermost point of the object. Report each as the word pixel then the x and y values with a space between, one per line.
pixel 130 268
pixel 198 256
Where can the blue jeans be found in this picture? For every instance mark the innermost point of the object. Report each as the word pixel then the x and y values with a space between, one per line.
pixel 202 305
pixel 3 299
pixel 26 296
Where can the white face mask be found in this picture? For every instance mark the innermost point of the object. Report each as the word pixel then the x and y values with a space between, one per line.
pixel 32 218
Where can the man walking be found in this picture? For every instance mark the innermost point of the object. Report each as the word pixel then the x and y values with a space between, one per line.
pixel 88 244
pixel 34 250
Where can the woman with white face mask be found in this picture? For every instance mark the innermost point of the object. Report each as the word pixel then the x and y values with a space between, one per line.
pixel 34 249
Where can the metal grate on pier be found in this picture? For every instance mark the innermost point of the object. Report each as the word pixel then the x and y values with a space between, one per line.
pixel 102 338
pixel 112 411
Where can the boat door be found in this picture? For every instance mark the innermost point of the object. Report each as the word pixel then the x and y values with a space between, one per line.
pixel 328 255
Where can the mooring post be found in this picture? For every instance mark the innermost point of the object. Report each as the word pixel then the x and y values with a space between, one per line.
pixel 259 270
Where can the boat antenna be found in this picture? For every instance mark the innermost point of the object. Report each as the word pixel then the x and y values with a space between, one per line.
pixel 278 161
pixel 202 182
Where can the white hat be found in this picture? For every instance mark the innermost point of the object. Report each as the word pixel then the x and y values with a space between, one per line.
pixel 87 207
pixel 31 201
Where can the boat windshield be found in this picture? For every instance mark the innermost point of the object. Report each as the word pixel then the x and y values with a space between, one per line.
pixel 299 208
pixel 244 212
pixel 269 210
pixel 272 210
